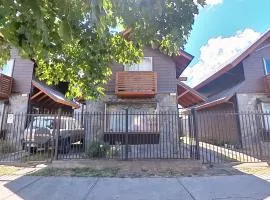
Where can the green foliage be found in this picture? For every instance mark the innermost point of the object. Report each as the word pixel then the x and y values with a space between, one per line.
pixel 97 149
pixel 73 40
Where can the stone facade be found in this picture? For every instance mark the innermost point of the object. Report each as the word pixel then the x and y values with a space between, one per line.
pixel 169 138
pixel 248 102
pixel 18 103
pixel 17 106
pixel 161 102
pixel 250 124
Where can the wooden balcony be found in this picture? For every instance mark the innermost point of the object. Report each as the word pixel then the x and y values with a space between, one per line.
pixel 5 86
pixel 267 84
pixel 136 84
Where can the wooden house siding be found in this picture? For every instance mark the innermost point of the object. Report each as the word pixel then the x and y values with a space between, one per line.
pixel 254 71
pixel 22 75
pixel 162 64
pixel 254 75
pixel 215 125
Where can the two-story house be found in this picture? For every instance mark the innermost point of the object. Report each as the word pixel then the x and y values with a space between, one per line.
pixel 136 101
pixel 240 86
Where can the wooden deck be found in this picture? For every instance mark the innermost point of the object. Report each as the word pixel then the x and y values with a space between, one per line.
pixel 5 86
pixel 136 84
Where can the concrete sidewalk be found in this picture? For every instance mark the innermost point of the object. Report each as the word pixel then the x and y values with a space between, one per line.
pixel 188 188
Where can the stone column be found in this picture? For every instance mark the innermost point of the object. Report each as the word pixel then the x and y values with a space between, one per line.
pixel 94 121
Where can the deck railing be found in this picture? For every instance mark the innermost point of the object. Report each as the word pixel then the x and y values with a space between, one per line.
pixel 5 86
pixel 136 84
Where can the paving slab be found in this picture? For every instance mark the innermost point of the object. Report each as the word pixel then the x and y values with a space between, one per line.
pixel 227 187
pixel 138 189
pixel 12 184
pixel 58 188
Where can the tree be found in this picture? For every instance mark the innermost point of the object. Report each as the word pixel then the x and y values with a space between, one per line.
pixel 75 41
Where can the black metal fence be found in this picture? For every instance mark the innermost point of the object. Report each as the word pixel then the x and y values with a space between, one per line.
pixel 210 136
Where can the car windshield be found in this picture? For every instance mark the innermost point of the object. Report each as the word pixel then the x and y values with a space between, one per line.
pixel 42 123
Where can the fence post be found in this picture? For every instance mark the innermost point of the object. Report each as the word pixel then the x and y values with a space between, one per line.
pixel 126 136
pixel 195 131
pixel 58 121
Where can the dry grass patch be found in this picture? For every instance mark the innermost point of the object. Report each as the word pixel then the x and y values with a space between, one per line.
pixel 8 170
pixel 79 172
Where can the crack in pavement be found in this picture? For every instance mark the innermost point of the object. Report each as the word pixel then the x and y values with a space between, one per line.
pixel 92 186
pixel 180 183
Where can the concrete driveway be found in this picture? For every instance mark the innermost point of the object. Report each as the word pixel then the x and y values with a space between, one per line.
pixel 244 187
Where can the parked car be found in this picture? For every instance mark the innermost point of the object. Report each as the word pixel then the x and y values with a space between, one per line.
pixel 41 133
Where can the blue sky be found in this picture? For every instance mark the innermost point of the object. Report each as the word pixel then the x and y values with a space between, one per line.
pixel 235 21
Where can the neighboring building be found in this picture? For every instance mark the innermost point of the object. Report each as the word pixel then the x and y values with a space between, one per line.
pixel 241 85
pixel 21 93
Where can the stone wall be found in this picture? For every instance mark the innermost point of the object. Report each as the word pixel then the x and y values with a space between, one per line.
pixel 166 102
pixel 163 102
pixel 250 123
pixel 18 105
pixel 248 102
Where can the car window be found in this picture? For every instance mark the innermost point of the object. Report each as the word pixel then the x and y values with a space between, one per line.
pixel 72 124
pixel 63 124
pixel 42 123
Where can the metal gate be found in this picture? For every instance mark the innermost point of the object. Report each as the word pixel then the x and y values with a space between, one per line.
pixel 134 135
pixel 213 137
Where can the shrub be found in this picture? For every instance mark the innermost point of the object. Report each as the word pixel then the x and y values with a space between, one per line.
pixel 114 150
pixel 97 149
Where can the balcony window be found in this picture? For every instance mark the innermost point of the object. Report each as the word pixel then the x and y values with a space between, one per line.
pixel 267 65
pixel 145 65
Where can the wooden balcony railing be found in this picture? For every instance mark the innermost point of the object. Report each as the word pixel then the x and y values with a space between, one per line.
pixel 136 84
pixel 5 86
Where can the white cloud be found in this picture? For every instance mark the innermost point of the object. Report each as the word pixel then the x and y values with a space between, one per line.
pixel 216 52
pixel 213 2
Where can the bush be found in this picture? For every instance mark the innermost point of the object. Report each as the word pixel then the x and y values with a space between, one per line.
pixel 114 150
pixel 97 149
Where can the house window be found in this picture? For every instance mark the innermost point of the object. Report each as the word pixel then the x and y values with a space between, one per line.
pixel 137 122
pixel 139 119
pixel 145 65
pixel 267 66
pixel 7 69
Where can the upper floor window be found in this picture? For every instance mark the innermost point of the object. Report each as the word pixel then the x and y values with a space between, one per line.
pixel 145 65
pixel 7 69
pixel 267 65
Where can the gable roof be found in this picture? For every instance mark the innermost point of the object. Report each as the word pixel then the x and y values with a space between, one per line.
pixel 235 61
pixel 56 96
pixel 187 96
pixel 182 60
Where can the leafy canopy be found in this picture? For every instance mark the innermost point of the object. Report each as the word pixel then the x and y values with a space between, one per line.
pixel 75 41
